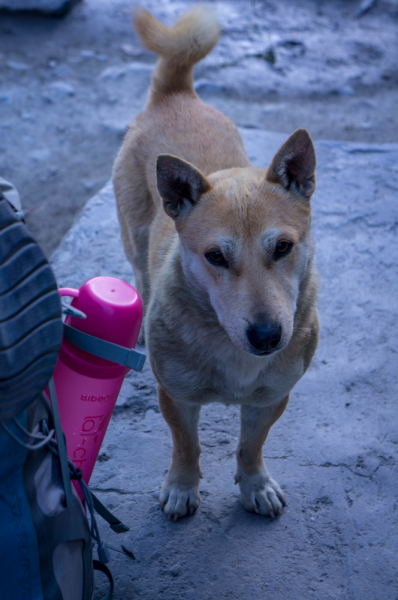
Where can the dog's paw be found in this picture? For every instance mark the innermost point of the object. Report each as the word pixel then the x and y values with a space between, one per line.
pixel 178 500
pixel 261 494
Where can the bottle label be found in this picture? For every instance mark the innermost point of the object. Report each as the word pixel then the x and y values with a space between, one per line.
pixel 108 398
pixel 91 430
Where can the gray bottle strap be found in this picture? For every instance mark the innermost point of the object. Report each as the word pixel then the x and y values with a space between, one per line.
pixel 117 354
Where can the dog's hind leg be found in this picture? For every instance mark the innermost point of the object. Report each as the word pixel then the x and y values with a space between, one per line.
pixel 135 246
pixel 135 209
pixel 259 493
pixel 179 495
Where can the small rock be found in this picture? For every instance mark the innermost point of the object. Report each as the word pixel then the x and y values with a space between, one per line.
pixel 74 60
pixel 47 99
pixel 62 71
pixel 113 73
pixel 273 107
pixel 203 86
pixel 87 53
pixel 87 184
pixel 40 155
pixel 148 421
pixel 120 129
pixel 136 67
pixel 175 570
pixel 130 50
pixel 342 91
pixel 116 73
pixel 62 88
pixel 250 126
pixel 17 66
pixel 103 457
pixel 364 7
pixel 28 117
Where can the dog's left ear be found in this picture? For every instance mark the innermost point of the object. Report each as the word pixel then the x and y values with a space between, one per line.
pixel 293 166
pixel 180 185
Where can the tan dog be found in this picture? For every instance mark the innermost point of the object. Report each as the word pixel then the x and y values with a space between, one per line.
pixel 223 258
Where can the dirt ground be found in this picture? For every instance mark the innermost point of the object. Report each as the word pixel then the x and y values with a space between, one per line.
pixel 69 87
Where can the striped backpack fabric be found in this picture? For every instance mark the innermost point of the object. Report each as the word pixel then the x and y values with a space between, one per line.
pixel 46 540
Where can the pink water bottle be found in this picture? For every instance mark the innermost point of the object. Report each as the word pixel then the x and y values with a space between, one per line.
pixel 87 386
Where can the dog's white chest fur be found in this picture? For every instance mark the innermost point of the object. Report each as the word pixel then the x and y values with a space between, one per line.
pixel 249 380
pixel 229 376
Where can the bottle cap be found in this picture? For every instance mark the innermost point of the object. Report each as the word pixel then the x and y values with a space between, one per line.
pixel 114 313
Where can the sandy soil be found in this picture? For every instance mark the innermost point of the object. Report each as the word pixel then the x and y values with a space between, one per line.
pixel 69 87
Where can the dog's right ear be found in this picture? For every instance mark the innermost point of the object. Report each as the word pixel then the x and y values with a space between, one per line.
pixel 293 166
pixel 180 185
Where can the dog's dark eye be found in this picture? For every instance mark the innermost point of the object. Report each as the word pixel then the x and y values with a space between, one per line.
pixel 282 248
pixel 216 258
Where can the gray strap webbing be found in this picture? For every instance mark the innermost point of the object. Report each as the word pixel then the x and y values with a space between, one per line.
pixel 115 524
pixel 63 458
pixel 98 566
pixel 117 354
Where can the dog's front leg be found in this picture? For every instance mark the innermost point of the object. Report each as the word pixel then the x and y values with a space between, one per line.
pixel 179 495
pixel 259 493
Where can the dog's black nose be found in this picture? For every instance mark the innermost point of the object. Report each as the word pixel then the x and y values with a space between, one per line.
pixel 264 338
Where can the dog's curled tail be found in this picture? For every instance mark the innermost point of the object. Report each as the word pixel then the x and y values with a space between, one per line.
pixel 179 47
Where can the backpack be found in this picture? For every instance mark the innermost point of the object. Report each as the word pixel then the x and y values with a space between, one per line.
pixel 46 541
